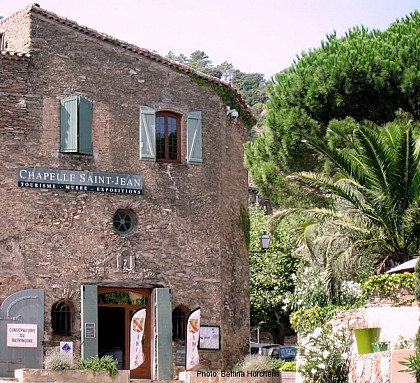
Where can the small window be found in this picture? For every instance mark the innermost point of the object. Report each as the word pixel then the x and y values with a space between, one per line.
pixel 76 125
pixel 168 137
pixel 61 318
pixel 160 136
pixel 123 221
pixel 2 45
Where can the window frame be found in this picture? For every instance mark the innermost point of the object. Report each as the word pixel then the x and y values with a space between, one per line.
pixel 76 121
pixel 190 130
pixel 122 215
pixel 62 320
pixel 167 115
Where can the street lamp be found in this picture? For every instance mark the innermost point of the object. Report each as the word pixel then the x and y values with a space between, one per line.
pixel 265 241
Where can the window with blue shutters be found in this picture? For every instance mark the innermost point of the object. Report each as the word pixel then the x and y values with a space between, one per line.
pixel 76 125
pixel 160 136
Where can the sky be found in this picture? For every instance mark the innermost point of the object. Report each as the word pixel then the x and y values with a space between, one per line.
pixel 262 36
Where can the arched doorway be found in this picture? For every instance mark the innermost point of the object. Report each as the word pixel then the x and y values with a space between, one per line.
pixel 116 306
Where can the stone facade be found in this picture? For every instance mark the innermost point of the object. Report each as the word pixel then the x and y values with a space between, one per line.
pixel 380 367
pixel 189 234
pixel 69 376
pixel 236 377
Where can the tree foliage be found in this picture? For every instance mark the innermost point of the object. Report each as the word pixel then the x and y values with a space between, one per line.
pixel 377 195
pixel 271 273
pixel 367 75
pixel 251 86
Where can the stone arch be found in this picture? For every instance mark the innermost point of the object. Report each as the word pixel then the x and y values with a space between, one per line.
pixel 62 317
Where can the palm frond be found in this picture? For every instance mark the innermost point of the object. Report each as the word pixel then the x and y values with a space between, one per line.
pixel 407 162
pixel 375 156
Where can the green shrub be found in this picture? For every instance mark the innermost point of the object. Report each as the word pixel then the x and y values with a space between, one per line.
pixel 258 363
pixel 417 340
pixel 412 364
pixel 96 364
pixel 57 361
pixel 388 286
pixel 117 297
pixel 325 355
pixel 417 284
pixel 306 321
pixel 288 366
pixel 311 290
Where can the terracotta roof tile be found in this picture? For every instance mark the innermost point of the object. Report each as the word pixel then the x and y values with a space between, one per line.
pixel 14 55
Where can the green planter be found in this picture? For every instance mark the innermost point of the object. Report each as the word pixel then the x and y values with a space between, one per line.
pixel 380 346
pixel 364 339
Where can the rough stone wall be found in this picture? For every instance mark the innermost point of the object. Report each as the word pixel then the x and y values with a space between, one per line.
pixel 16 30
pixel 14 122
pixel 41 376
pixel 370 368
pixel 13 97
pixel 236 377
pixel 69 376
pixel 189 235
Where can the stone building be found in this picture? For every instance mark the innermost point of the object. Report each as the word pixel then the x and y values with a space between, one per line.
pixel 124 173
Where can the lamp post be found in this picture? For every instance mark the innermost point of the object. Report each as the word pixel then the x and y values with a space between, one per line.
pixel 265 241
pixel 265 244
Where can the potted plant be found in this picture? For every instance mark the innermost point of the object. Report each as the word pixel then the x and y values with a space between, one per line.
pixel 380 346
pixel 365 337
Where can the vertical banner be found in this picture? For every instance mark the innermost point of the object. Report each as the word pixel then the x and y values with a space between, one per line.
pixel 136 334
pixel 193 338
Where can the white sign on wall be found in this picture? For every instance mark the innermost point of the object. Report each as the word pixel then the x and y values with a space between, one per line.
pixel 22 335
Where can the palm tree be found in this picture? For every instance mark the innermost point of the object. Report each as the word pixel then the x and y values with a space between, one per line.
pixel 375 189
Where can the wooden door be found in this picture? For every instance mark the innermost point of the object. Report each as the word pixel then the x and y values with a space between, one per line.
pixel 115 309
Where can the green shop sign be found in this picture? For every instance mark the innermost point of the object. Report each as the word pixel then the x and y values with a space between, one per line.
pixel 80 181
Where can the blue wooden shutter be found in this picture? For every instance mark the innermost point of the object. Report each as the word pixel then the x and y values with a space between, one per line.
pixel 89 304
pixel 85 126
pixel 194 138
pixel 163 330
pixel 147 133
pixel 69 122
